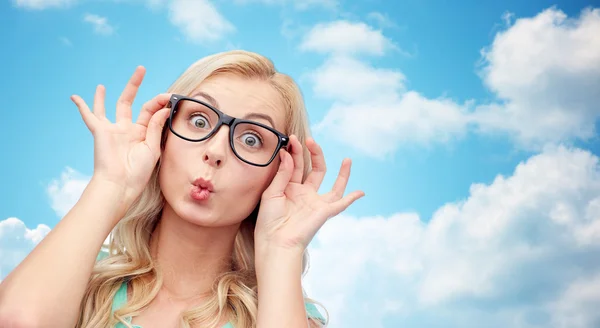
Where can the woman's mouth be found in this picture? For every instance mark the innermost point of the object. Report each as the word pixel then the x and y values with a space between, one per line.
pixel 201 189
pixel 199 193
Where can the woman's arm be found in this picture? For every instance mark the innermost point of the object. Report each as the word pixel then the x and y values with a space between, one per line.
pixel 291 213
pixel 280 297
pixel 46 288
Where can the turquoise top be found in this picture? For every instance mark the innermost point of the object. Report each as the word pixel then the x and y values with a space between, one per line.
pixel 120 300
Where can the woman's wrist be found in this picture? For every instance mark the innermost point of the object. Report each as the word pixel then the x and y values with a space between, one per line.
pixel 112 197
pixel 284 260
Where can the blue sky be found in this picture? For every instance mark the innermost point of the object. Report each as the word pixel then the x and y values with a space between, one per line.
pixel 473 128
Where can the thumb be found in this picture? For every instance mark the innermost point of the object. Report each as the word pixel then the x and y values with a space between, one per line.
pixel 283 176
pixel 155 127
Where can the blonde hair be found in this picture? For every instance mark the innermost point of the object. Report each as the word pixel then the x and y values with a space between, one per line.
pixel 234 294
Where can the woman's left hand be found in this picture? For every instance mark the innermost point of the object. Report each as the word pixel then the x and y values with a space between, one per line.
pixel 291 212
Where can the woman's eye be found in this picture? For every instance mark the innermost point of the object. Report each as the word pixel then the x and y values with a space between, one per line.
pixel 200 122
pixel 251 140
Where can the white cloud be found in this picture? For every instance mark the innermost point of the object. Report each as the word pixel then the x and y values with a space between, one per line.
pixel 43 4
pixel 199 20
pixel 514 254
pixel 100 24
pixel 374 102
pixel 298 4
pixel 16 241
pixel 345 37
pixel 546 70
pixel 66 191
pixel 348 79
pixel 578 304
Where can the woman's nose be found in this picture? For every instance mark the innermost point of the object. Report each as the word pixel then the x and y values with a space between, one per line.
pixel 217 148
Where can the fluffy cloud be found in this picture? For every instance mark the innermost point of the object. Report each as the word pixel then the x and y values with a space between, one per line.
pixel 519 252
pixel 578 304
pixel 65 191
pixel 16 241
pixel 100 24
pixel 43 4
pixel 298 4
pixel 544 70
pixel 367 83
pixel 346 37
pixel 375 102
pixel 200 21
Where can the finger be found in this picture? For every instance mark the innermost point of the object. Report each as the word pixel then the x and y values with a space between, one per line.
pixel 315 178
pixel 86 114
pixel 154 131
pixel 340 205
pixel 151 107
pixel 339 186
pixel 128 95
pixel 99 110
pixel 282 178
pixel 298 158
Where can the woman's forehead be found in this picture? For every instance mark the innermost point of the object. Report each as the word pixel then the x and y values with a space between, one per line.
pixel 241 97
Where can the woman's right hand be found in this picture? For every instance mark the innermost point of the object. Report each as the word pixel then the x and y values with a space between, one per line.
pixel 125 153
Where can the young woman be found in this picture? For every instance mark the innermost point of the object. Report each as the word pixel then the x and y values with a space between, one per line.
pixel 211 201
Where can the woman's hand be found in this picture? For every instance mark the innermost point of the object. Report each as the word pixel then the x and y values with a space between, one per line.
pixel 291 212
pixel 125 153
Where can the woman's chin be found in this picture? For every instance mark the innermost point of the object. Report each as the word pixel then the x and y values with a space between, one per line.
pixel 197 215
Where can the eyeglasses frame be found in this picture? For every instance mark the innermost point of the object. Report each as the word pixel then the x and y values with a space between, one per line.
pixel 225 119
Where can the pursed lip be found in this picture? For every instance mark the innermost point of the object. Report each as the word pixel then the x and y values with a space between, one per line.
pixel 203 183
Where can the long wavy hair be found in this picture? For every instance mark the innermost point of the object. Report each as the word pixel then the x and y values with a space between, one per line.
pixel 234 293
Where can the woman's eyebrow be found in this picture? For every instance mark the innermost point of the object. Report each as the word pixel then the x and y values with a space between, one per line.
pixel 214 103
pixel 260 116
pixel 208 98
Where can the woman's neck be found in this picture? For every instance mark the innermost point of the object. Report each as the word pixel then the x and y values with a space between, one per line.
pixel 190 256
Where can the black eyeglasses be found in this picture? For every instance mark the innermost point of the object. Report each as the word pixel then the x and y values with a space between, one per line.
pixel 252 142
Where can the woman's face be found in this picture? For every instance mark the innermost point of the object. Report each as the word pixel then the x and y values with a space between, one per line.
pixel 236 185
